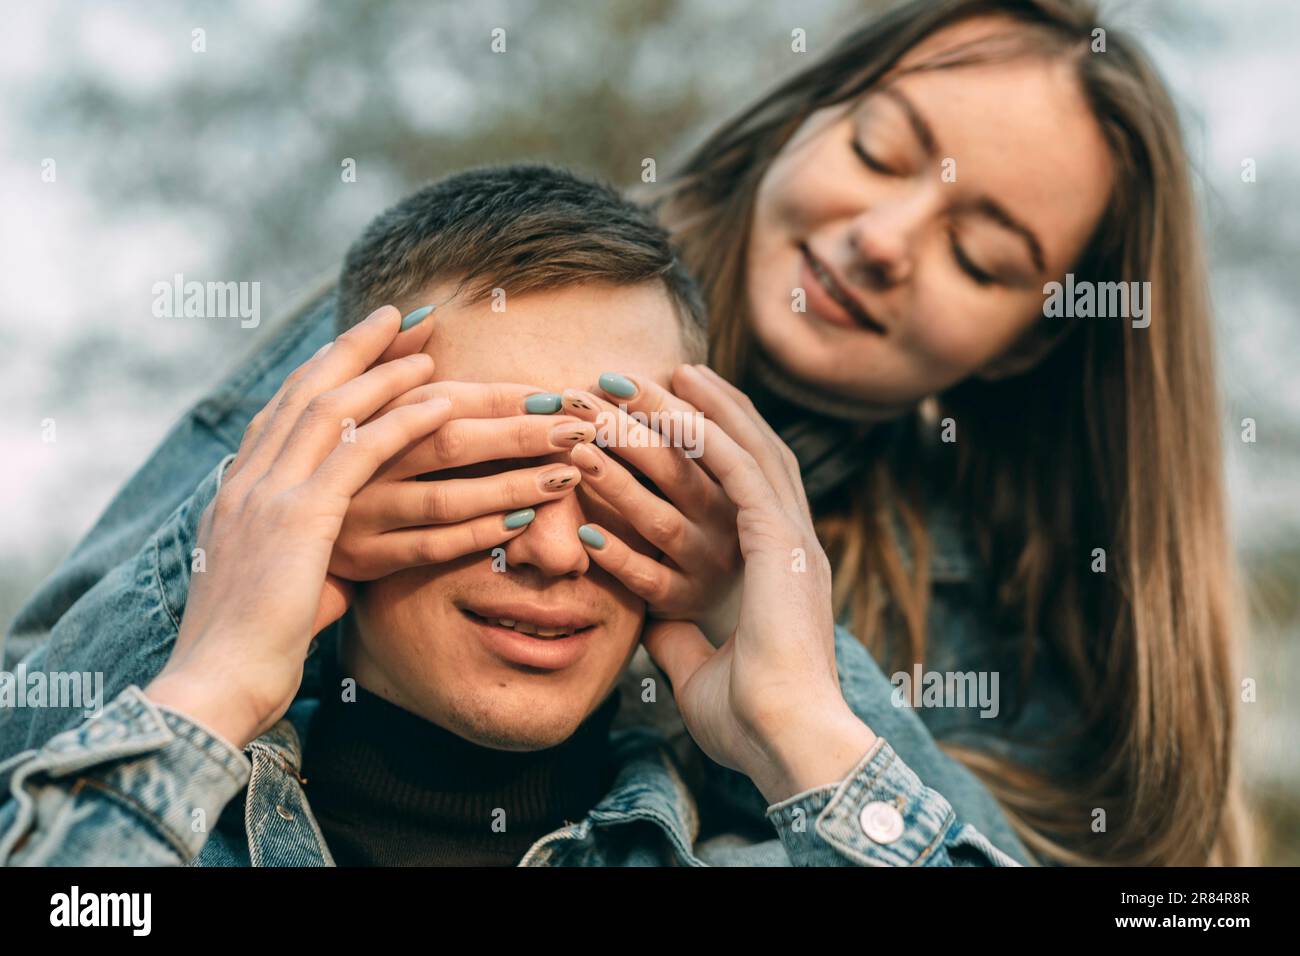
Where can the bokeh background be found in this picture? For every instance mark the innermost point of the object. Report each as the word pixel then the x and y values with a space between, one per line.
pixel 225 165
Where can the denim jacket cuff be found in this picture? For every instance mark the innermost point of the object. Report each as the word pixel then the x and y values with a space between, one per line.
pixel 190 776
pixel 881 814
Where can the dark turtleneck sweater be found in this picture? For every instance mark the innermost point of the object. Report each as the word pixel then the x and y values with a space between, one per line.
pixel 390 788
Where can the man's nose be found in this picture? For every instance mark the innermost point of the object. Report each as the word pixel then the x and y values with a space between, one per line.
pixel 550 542
pixel 883 238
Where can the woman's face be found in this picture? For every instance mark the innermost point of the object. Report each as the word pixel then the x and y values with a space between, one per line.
pixel 921 223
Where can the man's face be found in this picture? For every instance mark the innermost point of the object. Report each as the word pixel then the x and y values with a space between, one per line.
pixel 421 640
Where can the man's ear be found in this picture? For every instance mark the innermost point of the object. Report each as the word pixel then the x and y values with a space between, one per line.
pixel 1030 349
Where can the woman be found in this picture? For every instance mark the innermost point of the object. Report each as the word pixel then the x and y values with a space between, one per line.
pixel 1097 434
pixel 874 238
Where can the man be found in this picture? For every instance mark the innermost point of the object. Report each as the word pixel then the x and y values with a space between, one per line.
pixel 464 706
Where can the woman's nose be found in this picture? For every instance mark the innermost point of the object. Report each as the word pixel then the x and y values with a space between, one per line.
pixel 882 239
pixel 550 542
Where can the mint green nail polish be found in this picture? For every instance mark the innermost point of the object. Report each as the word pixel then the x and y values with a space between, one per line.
pixel 412 319
pixel 591 536
pixel 543 403
pixel 615 384
pixel 517 519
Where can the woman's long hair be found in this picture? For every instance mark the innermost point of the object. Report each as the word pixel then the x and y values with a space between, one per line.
pixel 1111 441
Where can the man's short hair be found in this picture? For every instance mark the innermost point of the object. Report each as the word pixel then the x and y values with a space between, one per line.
pixel 523 228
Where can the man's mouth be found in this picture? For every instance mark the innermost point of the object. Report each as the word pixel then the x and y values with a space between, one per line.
pixel 836 292
pixel 535 638
pixel 531 628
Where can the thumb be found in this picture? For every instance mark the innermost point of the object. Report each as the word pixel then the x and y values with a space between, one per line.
pixel 335 597
pixel 678 647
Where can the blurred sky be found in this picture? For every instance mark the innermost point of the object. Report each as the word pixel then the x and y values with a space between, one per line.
pixel 224 165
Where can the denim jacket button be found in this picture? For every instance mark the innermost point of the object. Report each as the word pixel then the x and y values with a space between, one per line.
pixel 284 813
pixel 881 822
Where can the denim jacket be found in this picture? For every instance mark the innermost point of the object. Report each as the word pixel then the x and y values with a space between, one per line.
pixel 75 789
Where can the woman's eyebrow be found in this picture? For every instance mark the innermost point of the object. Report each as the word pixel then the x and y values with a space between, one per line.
pixel 986 206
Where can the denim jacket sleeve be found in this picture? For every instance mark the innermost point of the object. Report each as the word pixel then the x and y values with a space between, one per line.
pixel 140 784
pixel 881 814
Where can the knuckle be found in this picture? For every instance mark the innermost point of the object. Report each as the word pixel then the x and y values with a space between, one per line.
pixel 429 549
pixel 449 442
pixel 436 503
pixel 665 527
pixel 522 434
pixel 322 408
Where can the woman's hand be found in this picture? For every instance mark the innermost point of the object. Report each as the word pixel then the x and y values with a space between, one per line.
pixel 693 525
pixel 270 530
pixel 399 521
pixel 767 702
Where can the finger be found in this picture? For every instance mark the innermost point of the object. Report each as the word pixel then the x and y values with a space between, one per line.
pixel 679 648
pixel 738 418
pixel 257 426
pixel 638 394
pixel 469 441
pixel 664 454
pixel 351 464
pixel 656 520
pixel 332 416
pixel 416 547
pixel 347 357
pixel 471 399
pixel 388 506
pixel 739 474
pixel 650 580
pixel 746 405
pixel 416 330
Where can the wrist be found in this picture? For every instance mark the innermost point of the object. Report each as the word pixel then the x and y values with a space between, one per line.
pixel 818 749
pixel 207 705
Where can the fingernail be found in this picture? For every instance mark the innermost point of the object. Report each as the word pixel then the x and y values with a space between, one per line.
pixel 568 434
pixel 615 384
pixel 558 479
pixel 322 350
pixel 412 319
pixel 543 403
pixel 591 536
pixel 517 519
pixel 580 400
pixel 587 458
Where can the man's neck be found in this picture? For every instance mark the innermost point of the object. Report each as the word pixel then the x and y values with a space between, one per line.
pixel 389 787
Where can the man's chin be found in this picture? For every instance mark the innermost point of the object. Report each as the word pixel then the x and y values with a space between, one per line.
pixel 518 724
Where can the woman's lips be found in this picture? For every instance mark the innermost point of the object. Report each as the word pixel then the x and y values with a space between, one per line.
pixel 543 651
pixel 827 300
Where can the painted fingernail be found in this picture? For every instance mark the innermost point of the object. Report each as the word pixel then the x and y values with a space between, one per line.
pixel 587 458
pixel 573 398
pixel 412 319
pixel 618 385
pixel 517 519
pixel 591 536
pixel 543 403
pixel 568 434
pixel 558 479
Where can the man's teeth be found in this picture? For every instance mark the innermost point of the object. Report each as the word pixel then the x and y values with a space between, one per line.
pixel 524 627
